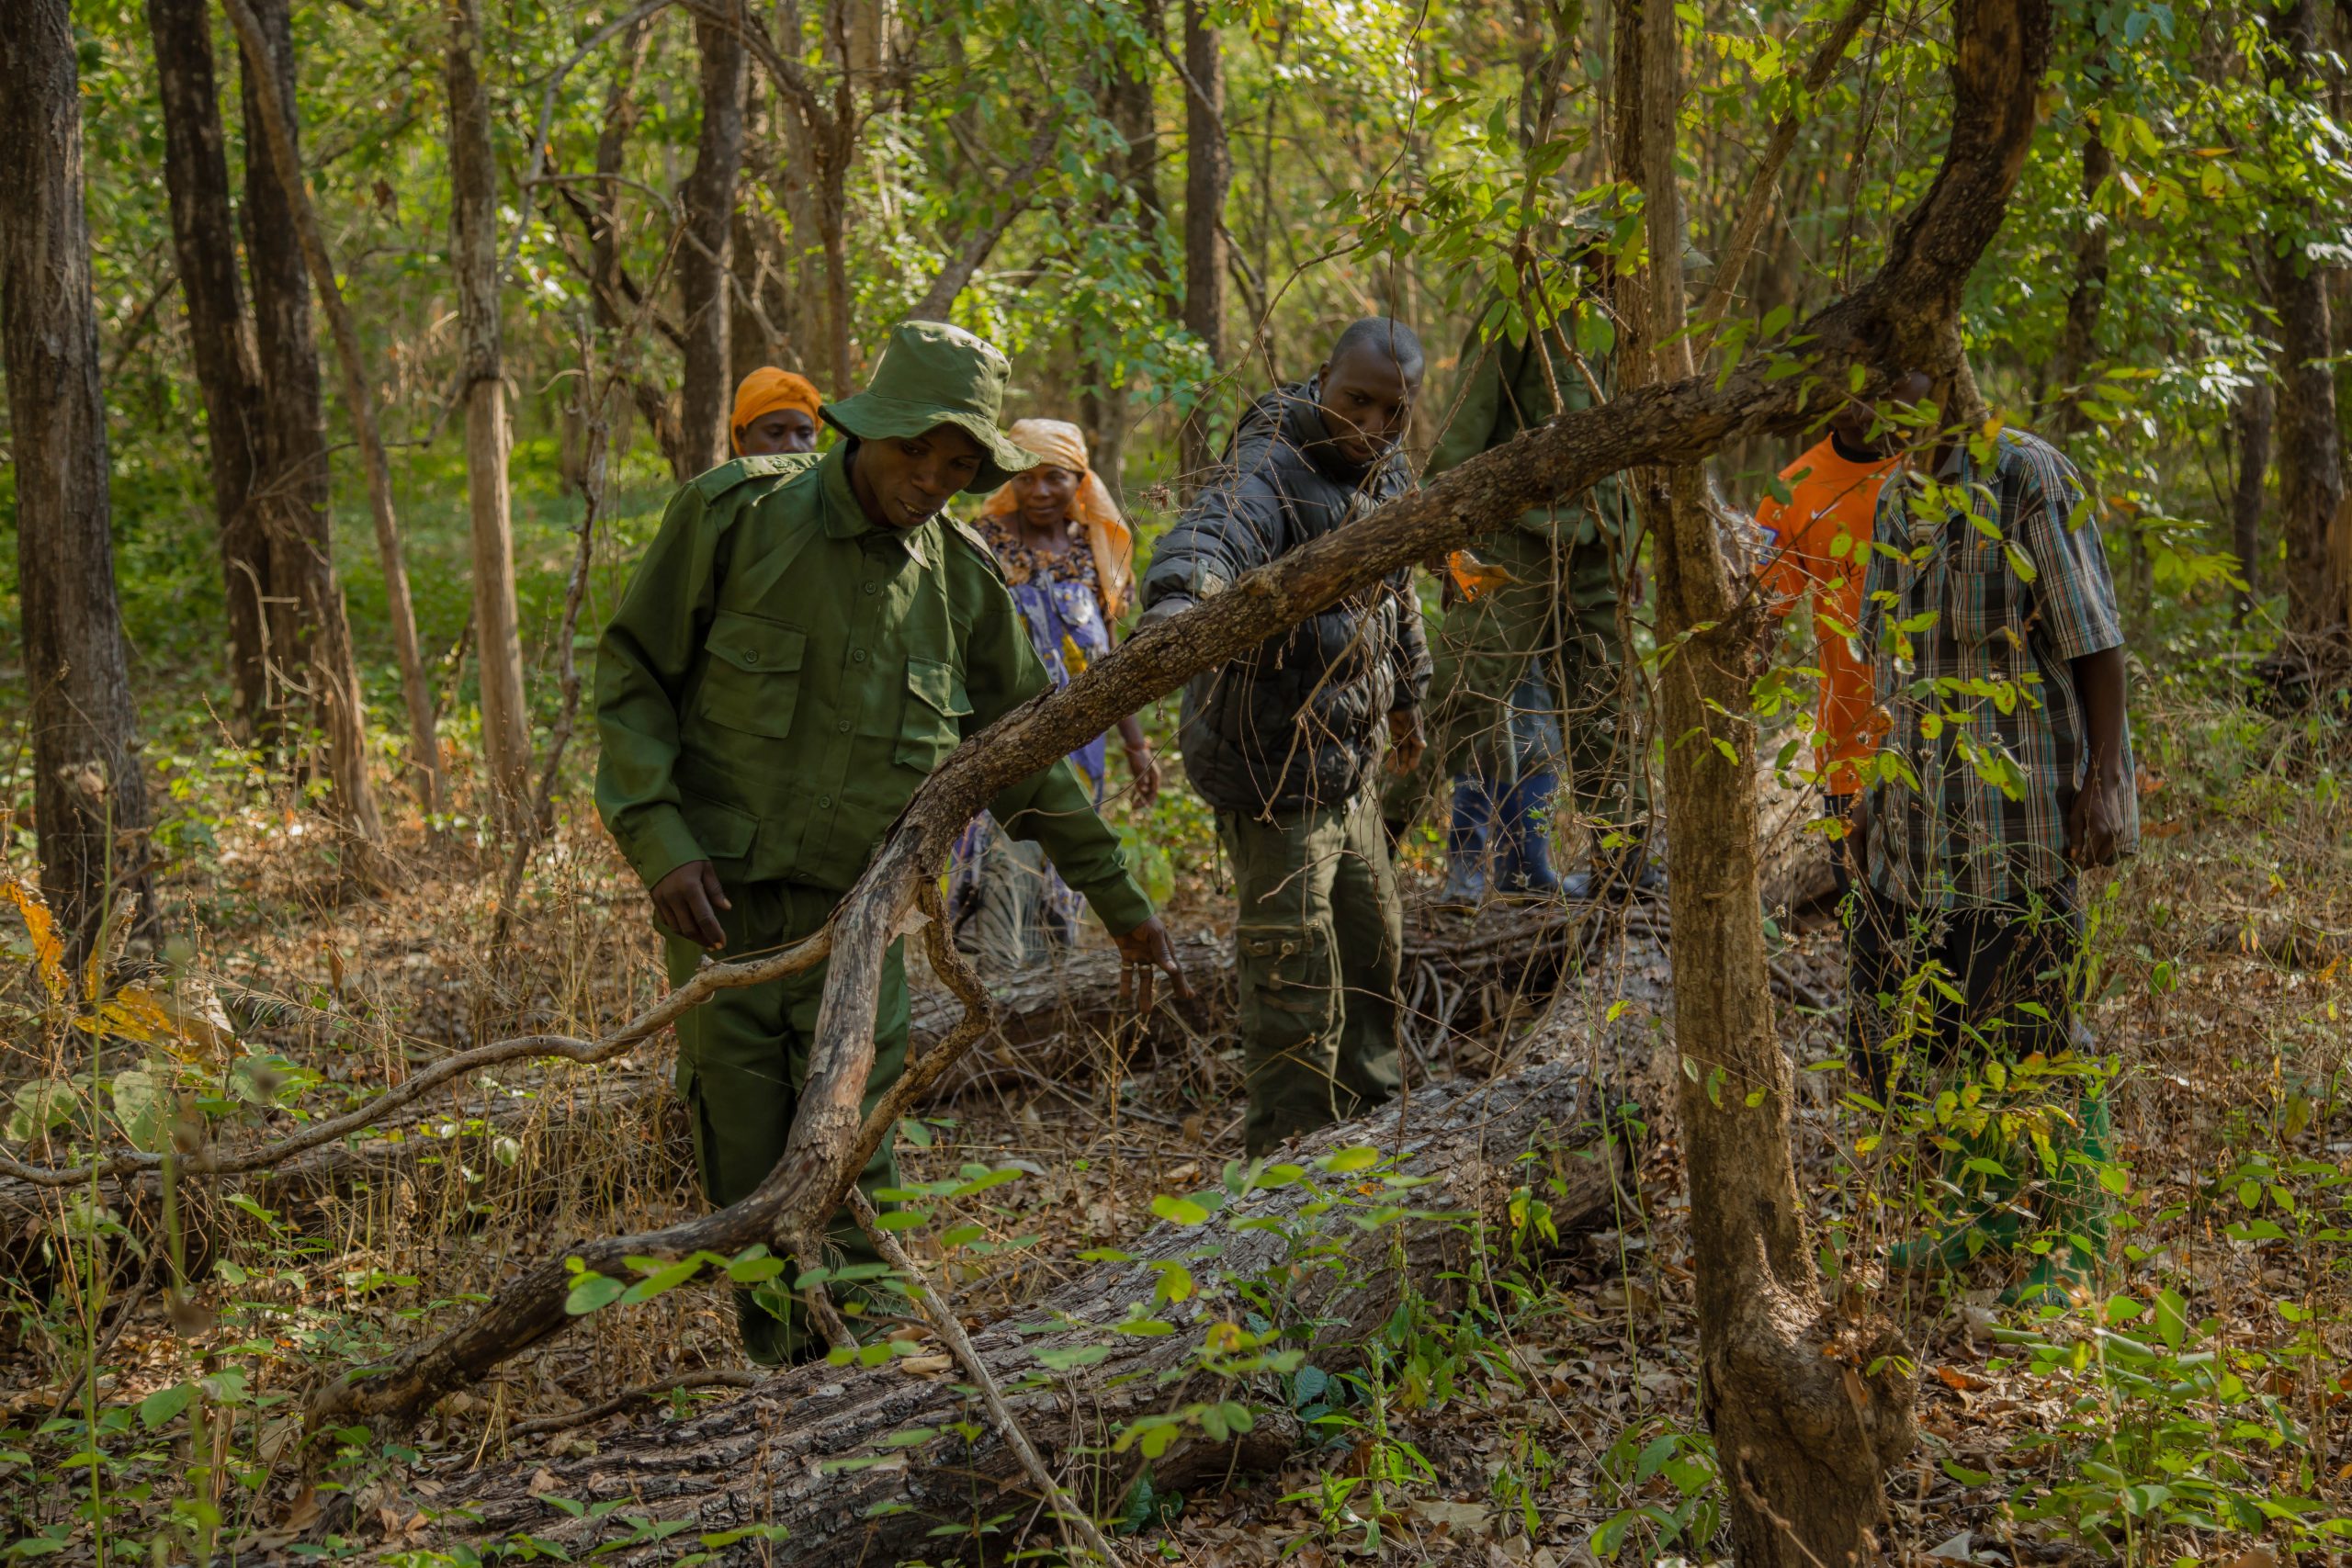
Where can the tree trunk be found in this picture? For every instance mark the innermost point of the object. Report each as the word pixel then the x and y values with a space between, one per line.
pixel 2078 339
pixel 2311 475
pixel 309 626
pixel 703 262
pixel 2252 417
pixel 287 628
pixel 473 250
pixel 266 34
pixel 1208 170
pixel 89 797
pixel 220 342
pixel 722 1470
pixel 1806 1406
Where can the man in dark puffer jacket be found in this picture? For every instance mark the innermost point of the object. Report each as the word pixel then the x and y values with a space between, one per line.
pixel 1285 742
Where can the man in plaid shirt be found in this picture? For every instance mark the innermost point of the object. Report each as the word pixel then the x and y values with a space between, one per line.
pixel 1997 652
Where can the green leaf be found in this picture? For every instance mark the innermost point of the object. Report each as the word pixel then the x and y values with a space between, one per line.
pixel 1179 1211
pixel 661 1282
pixel 590 1293
pixel 165 1403
pixel 1146 1328
pixel 1346 1162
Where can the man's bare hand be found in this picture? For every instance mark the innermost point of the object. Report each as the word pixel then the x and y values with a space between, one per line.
pixel 1406 740
pixel 688 901
pixel 2095 824
pixel 1142 951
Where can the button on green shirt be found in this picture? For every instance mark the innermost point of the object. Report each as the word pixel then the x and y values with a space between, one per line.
pixel 784 674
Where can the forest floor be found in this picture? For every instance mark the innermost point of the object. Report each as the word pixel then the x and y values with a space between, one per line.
pixel 2190 1408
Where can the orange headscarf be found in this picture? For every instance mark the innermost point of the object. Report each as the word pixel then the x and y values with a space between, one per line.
pixel 766 389
pixel 1064 446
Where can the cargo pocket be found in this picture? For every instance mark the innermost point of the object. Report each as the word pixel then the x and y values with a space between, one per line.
pixel 752 679
pixel 1287 968
pixel 937 706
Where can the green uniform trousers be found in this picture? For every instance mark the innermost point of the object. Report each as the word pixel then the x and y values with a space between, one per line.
pixel 1318 941
pixel 1559 608
pixel 742 1059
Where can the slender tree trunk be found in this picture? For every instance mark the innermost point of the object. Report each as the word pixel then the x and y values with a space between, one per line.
pixel 1208 171
pixel 2311 474
pixel 473 222
pixel 1131 113
pixel 89 798
pixel 709 196
pixel 2078 339
pixel 2253 416
pixel 1805 1404
pixel 288 631
pixel 220 341
pixel 265 32
pixel 609 284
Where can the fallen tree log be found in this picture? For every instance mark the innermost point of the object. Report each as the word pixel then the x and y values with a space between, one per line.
pixel 851 1466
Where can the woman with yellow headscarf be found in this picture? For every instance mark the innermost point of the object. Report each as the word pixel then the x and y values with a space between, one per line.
pixel 776 411
pixel 1069 557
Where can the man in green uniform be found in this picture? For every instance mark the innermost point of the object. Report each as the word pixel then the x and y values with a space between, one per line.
pixel 806 639
pixel 1537 614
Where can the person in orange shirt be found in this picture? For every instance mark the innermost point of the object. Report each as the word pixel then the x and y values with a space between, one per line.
pixel 1833 494
pixel 776 412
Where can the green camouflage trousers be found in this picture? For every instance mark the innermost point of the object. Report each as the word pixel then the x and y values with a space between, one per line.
pixel 1318 944
pixel 742 1058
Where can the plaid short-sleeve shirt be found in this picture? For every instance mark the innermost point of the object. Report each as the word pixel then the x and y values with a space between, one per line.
pixel 1979 592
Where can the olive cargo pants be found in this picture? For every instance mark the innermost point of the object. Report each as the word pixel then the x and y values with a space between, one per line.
pixel 742 1058
pixel 1317 945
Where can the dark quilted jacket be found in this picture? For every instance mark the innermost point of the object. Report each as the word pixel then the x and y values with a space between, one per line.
pixel 1296 724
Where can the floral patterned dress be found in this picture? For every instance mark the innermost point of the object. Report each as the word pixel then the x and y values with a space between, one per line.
pixel 1061 598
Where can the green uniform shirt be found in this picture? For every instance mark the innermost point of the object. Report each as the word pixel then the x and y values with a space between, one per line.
pixel 784 674
pixel 1507 392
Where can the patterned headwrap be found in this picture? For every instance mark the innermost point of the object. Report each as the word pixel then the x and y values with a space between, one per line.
pixel 766 389
pixel 1064 446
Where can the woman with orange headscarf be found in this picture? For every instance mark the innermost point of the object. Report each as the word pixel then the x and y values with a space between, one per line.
pixel 776 411
pixel 1069 557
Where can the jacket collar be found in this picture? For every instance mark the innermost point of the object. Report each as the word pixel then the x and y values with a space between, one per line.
pixel 845 519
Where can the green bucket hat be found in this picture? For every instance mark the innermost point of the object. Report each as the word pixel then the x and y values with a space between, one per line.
pixel 933 373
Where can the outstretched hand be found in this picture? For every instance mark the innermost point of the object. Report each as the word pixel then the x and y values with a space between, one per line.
pixel 1143 950
pixel 688 900
pixel 1406 740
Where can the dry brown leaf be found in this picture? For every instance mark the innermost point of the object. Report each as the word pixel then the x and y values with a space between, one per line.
pixel 1966 1382
pixel 924 1366
pixel 2258 1555
pixel 542 1480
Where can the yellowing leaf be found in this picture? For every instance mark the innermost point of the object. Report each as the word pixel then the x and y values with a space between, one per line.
pixel 49 952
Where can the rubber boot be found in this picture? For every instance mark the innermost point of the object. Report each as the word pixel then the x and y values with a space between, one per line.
pixel 1466 845
pixel 1523 839
pixel 2076 1211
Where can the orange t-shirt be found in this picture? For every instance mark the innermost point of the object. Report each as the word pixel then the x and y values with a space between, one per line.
pixel 1829 495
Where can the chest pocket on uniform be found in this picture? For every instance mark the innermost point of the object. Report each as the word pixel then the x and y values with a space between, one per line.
pixel 937 706
pixel 753 680
pixel 1980 595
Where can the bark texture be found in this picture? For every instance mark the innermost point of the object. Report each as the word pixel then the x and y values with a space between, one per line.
pixel 89 798
pixel 290 641
pixel 265 35
pixel 2078 340
pixel 473 252
pixel 767 1458
pixel 708 196
pixel 220 342
pixel 1208 171
pixel 2312 511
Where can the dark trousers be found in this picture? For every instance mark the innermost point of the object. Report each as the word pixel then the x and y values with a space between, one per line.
pixel 2002 985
